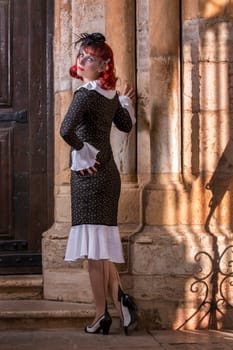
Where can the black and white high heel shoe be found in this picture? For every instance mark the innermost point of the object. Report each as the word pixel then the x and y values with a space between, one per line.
pixel 128 309
pixel 102 324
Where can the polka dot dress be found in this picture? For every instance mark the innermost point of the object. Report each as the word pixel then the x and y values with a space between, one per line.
pixel 94 198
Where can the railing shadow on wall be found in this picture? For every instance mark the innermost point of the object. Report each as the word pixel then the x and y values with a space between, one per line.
pixel 217 280
pixel 213 281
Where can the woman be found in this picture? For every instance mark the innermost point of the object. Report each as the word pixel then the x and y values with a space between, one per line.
pixel 95 180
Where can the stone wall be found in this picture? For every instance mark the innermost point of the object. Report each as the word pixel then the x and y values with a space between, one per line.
pixel 175 211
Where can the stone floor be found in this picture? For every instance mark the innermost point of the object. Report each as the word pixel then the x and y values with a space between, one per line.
pixel 71 339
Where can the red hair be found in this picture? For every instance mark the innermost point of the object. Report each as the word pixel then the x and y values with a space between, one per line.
pixel 107 78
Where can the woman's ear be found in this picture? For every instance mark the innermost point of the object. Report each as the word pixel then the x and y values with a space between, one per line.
pixel 104 63
pixel 101 67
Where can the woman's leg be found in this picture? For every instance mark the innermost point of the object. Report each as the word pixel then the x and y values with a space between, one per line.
pixel 99 284
pixel 114 283
pixel 125 306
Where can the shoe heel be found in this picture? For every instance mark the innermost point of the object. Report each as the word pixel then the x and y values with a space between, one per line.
pixel 129 309
pixel 105 325
pixel 126 330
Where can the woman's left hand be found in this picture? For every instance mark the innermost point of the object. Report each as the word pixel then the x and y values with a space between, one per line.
pixel 128 91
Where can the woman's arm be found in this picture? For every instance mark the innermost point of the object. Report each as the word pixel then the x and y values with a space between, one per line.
pixel 73 116
pixel 125 117
pixel 84 155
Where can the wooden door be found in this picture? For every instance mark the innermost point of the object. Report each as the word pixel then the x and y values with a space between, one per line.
pixel 26 132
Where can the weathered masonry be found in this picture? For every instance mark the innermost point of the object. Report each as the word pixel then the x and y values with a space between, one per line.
pixel 176 204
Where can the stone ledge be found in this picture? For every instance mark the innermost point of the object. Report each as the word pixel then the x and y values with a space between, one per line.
pixel 44 308
pixel 15 287
pixel 60 230
pixel 54 245
pixel 31 314
pixel 21 281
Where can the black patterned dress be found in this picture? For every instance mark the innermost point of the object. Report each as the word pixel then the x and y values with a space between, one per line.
pixel 94 198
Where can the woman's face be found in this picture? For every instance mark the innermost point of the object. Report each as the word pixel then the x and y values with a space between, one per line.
pixel 89 66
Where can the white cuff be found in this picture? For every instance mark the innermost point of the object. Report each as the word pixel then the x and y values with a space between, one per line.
pixel 126 102
pixel 84 158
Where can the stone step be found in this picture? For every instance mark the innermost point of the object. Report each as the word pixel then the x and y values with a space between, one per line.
pixel 13 287
pixel 36 314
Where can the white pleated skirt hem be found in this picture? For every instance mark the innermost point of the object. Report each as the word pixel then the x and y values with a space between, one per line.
pixel 94 242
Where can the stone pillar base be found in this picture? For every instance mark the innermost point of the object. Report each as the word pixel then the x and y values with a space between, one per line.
pixel 62 280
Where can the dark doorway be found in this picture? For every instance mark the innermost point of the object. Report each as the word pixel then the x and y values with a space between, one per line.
pixel 26 132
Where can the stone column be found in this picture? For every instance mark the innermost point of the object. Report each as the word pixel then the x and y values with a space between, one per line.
pixel 164 86
pixel 120 34
pixel 163 111
pixel 156 247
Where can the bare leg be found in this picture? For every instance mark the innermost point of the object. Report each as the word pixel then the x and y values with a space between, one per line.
pixel 126 307
pixel 98 281
pixel 114 283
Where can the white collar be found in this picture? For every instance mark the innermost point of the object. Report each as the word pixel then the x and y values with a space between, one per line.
pixel 94 85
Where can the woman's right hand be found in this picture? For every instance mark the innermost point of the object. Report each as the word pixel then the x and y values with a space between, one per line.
pixel 90 170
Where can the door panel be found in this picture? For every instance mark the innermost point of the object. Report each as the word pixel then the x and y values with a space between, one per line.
pixel 5 53
pixel 26 151
pixel 6 147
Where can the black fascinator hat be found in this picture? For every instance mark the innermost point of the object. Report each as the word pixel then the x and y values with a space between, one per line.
pixel 94 39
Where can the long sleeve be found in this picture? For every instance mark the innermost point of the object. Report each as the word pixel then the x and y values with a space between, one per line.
pixel 124 117
pixel 72 118
pixel 126 103
pixel 83 154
